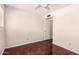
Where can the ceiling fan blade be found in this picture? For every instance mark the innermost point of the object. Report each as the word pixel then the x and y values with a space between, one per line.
pixel 38 7
pixel 47 7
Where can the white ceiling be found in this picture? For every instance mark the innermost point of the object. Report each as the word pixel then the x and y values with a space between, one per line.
pixel 33 6
pixel 59 6
pixel 41 11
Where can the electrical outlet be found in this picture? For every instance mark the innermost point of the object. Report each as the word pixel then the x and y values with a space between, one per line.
pixel 69 44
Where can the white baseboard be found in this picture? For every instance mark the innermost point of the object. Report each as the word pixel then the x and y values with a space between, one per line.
pixel 2 51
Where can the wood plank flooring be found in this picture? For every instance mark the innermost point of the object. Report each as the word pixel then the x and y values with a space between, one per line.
pixel 57 50
pixel 38 48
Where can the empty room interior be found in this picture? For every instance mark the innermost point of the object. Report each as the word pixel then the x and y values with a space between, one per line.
pixel 39 29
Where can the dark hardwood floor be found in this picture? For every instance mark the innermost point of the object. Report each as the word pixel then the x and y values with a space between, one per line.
pixel 37 48
pixel 57 50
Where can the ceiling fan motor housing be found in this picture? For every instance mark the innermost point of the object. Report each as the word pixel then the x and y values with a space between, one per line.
pixel 48 16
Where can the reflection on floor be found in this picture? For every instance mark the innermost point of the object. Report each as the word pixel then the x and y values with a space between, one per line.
pixel 57 50
pixel 37 48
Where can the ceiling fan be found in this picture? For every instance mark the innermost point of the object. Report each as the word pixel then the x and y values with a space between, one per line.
pixel 45 6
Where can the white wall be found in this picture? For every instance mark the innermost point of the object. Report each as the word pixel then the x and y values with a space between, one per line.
pixel 23 27
pixel 66 28
pixel 2 41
